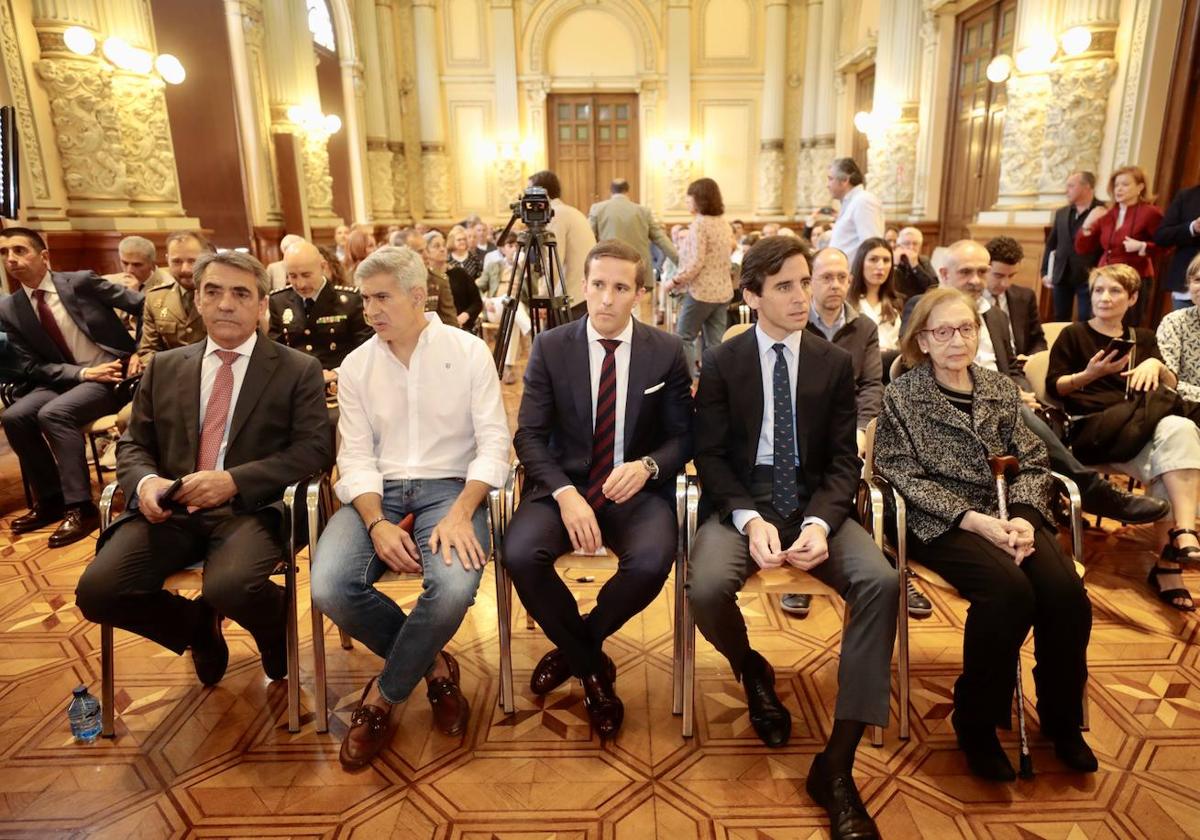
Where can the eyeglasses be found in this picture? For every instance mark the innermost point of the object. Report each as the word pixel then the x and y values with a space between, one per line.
pixel 945 333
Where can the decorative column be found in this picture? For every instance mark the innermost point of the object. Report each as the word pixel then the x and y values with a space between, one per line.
pixel 770 152
pixel 805 189
pixel 509 170
pixel 678 167
pixel 817 142
pixel 1078 97
pixel 435 167
pixel 892 154
pixel 244 25
pixel 394 86
pixel 926 137
pixel 379 157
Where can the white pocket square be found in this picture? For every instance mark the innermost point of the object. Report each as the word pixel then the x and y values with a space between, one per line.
pixel 657 387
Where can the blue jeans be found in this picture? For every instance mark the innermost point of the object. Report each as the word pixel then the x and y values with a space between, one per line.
pixel 345 570
pixel 695 317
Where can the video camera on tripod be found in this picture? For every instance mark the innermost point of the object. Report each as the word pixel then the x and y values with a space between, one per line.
pixel 537 272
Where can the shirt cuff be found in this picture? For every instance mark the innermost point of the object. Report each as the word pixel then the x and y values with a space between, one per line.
pixel 555 494
pixel 137 490
pixel 354 484
pixel 490 472
pixel 815 520
pixel 1193 229
pixel 743 517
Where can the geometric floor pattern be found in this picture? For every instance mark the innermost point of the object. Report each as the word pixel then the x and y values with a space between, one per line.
pixel 189 761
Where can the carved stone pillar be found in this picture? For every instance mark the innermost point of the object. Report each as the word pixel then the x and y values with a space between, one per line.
pixel 817 109
pixel 244 25
pixel 892 154
pixel 395 86
pixel 153 181
pixel 770 152
pixel 379 169
pixel 317 180
pixel 400 189
pixel 435 180
pixel 435 164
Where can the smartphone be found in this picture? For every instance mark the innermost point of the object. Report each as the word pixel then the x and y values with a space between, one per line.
pixel 170 492
pixel 1121 346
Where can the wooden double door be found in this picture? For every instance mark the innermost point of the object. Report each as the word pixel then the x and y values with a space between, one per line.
pixel 593 140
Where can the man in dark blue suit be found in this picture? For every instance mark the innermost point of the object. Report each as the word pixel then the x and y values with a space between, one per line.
pixel 1181 228
pixel 70 346
pixel 605 425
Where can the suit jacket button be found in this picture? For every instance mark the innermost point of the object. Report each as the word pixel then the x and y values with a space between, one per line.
pixel 308 347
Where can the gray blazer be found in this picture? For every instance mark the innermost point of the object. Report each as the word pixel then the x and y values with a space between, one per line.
pixel 936 457
pixel 622 218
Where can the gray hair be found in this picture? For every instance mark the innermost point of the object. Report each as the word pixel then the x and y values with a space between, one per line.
pixel 404 265
pixel 138 245
pixel 847 170
pixel 233 259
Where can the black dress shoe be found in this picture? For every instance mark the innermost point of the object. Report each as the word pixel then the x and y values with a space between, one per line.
pixel 838 795
pixel 210 654
pixel 274 659
pixel 1074 752
pixel 78 522
pixel 603 705
pixel 985 756
pixel 772 722
pixel 553 670
pixel 1102 499
pixel 919 605
pixel 39 516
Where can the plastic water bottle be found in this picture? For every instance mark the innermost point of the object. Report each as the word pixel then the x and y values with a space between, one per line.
pixel 84 714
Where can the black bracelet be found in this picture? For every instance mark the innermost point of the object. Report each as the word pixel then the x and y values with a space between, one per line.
pixel 375 522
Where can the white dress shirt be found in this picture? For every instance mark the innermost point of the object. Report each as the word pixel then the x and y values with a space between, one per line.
pixel 85 351
pixel 765 455
pixel 985 356
pixel 441 416
pixel 860 218
pixel 1001 303
pixel 208 375
pixel 889 333
pixel 596 354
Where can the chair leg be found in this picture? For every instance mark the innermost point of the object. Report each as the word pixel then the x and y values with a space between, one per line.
pixel 1086 727
pixel 314 508
pixel 677 650
pixel 96 460
pixel 344 637
pixel 689 672
pixel 504 622
pixel 292 632
pixel 107 712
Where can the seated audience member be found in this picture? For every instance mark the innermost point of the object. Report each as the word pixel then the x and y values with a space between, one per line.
pixel 464 292
pixel 940 422
pixel 494 285
pixel 770 229
pixel 313 315
pixel 873 293
pixel 1125 233
pixel 738 227
pixel 335 272
pixel 1015 301
pixel 340 235
pixel 965 266
pixel 777 458
pixel 461 252
pixel 1180 228
pixel 238 418
pixel 1064 271
pixel 403 453
pixel 915 274
pixel 359 244
pixel 1179 338
pixel 137 273
pixel 275 270
pixel 484 241
pixel 605 425
pixel 439 297
pixel 68 344
pixel 1159 444
pixel 891 235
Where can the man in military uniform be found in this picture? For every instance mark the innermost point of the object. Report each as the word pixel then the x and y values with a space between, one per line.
pixel 315 316
pixel 438 296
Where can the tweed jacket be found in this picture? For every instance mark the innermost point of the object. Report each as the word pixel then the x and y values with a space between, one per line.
pixel 936 457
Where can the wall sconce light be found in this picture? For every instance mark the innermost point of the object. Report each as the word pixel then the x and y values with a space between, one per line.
pixel 1076 40
pixel 1038 56
pixel 312 121
pixel 170 68
pixel 677 151
pixel 999 69
pixel 333 123
pixel 79 40
pixel 864 121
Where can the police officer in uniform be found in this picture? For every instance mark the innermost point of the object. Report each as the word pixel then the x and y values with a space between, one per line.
pixel 313 315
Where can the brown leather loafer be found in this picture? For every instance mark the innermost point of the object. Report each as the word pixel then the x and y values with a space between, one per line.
pixel 370 731
pixel 450 709
pixel 553 670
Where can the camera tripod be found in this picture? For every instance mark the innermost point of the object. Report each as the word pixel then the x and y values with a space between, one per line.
pixel 537 262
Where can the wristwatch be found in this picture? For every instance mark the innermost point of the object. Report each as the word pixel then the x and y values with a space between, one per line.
pixel 650 464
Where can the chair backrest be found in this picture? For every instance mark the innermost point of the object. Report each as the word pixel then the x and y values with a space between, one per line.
pixel 869 448
pixel 1036 368
pixel 735 330
pixel 897 369
pixel 1052 329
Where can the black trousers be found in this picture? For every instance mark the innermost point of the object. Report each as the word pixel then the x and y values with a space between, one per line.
pixel 1005 601
pixel 43 428
pixel 123 585
pixel 642 532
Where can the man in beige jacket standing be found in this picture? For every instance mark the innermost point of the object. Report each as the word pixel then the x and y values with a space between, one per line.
pixel 573 236
pixel 623 219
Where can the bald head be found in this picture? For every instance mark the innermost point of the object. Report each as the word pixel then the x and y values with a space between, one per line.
pixel 289 240
pixel 305 268
pixel 965 267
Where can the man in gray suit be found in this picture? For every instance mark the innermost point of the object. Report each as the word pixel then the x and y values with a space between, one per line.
pixel 623 219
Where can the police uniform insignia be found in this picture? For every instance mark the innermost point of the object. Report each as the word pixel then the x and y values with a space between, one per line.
pixel 343 298
pixel 288 315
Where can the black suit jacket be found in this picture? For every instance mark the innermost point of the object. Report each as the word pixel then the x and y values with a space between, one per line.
pixel 729 414
pixel 1027 331
pixel 1070 267
pixel 90 300
pixel 554 434
pixel 1175 230
pixel 996 323
pixel 279 434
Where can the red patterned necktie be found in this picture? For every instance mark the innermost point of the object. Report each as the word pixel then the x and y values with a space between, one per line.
pixel 606 425
pixel 51 326
pixel 216 412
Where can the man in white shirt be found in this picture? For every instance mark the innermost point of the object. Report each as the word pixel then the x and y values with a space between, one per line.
pixel 423 435
pixel 861 214
pixel 573 238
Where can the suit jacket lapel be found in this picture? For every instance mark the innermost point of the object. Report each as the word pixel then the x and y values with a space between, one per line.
pixel 638 380
pixel 999 339
pixel 31 326
pixel 189 398
pixel 745 389
pixel 809 372
pixel 581 374
pixel 263 361
pixel 71 303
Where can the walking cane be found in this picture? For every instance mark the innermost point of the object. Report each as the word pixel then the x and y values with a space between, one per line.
pixel 1002 467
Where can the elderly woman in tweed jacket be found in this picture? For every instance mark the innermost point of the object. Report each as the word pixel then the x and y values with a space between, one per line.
pixel 940 422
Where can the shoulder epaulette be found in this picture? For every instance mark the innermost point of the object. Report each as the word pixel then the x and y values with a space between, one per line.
pixel 166 284
pixel 283 289
pixel 346 289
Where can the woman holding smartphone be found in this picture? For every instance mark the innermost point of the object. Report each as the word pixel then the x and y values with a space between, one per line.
pixel 1099 363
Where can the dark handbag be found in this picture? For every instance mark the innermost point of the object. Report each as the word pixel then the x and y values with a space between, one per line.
pixel 1120 431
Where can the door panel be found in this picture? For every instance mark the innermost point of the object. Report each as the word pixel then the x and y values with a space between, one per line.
pixel 593 139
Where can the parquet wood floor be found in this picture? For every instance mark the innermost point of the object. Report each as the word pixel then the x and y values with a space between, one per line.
pixel 194 762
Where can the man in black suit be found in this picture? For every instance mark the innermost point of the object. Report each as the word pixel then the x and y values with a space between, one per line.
pixel 1017 302
pixel 778 461
pixel 237 418
pixel 967 267
pixel 1180 228
pixel 1070 271
pixel 914 273
pixel 71 347
pixel 605 425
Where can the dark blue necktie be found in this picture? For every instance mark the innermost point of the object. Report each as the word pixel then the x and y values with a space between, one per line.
pixel 784 492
